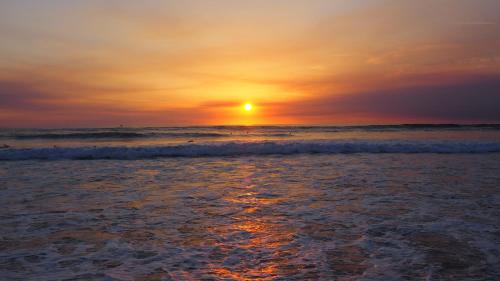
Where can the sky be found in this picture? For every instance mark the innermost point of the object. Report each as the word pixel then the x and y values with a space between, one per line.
pixel 71 63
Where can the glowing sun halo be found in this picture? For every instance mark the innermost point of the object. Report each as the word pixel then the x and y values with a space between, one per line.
pixel 248 106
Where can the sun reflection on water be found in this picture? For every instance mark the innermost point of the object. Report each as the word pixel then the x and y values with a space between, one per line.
pixel 261 237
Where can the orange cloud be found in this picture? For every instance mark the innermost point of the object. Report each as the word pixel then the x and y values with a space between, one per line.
pixel 195 62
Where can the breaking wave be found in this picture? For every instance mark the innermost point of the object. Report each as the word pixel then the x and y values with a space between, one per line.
pixel 249 148
pixel 114 135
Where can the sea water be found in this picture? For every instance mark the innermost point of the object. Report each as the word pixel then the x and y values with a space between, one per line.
pixel 251 203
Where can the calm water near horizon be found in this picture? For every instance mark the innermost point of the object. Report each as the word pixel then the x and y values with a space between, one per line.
pixel 251 203
pixel 133 136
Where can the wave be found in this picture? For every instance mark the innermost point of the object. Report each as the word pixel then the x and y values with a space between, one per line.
pixel 248 148
pixel 114 135
pixel 381 127
pixel 135 135
pixel 222 131
pixel 400 127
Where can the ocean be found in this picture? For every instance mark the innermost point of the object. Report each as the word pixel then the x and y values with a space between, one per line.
pixel 379 202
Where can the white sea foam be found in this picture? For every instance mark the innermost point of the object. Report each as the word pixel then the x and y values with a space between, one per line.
pixel 250 148
pixel 308 217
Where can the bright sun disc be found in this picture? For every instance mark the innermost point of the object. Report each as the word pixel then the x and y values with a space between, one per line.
pixel 248 107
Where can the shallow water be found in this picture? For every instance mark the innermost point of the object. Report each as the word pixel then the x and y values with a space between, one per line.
pixel 294 217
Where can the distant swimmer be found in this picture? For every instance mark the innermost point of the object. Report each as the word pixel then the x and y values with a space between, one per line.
pixel 190 140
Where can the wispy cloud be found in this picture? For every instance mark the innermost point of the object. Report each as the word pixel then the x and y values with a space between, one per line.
pixel 196 61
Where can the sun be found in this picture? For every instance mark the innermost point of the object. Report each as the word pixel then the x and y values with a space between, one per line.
pixel 248 106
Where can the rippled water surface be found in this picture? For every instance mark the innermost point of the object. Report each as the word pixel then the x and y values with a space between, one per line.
pixel 294 217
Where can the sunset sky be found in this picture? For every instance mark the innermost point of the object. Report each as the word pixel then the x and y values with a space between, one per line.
pixel 67 63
